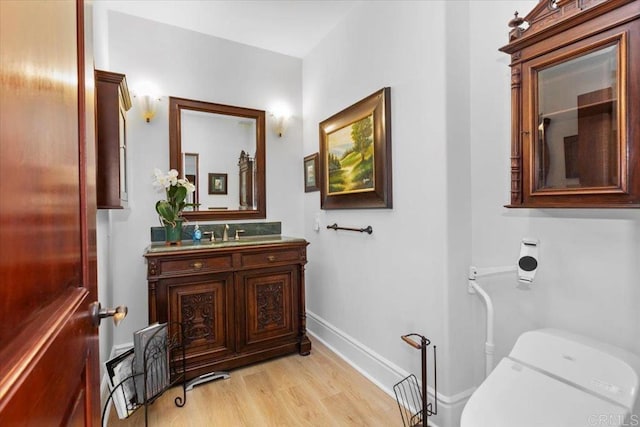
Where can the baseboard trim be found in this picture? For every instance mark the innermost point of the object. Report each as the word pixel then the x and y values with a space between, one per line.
pixel 379 370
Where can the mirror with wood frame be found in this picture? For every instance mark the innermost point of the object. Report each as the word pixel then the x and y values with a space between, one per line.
pixel 575 138
pixel 220 139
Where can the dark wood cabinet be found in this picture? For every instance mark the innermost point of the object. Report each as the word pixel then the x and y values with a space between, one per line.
pixel 112 103
pixel 237 304
pixel 575 120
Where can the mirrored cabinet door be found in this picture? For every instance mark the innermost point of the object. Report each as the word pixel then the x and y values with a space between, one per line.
pixel 575 112
pixel 577 143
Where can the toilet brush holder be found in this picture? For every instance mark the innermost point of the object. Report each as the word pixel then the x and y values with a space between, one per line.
pixel 411 396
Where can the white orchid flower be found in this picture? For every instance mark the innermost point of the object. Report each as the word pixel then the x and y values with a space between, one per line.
pixel 160 182
pixel 190 187
pixel 170 209
pixel 186 184
pixel 172 176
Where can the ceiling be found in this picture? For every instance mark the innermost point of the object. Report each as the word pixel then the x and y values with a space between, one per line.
pixel 290 27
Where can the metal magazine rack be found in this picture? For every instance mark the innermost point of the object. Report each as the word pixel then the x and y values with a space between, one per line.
pixel 140 375
pixel 412 401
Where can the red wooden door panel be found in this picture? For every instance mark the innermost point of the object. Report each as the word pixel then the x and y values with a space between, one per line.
pixel 48 346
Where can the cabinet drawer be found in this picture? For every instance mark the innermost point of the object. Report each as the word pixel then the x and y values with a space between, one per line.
pixel 271 257
pixel 196 265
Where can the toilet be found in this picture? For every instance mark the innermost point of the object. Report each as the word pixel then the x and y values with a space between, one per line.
pixel 553 378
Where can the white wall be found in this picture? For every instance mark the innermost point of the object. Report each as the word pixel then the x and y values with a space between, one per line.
pixel 195 66
pixel 493 242
pixel 460 362
pixel 364 292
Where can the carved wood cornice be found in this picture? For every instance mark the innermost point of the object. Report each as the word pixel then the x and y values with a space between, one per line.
pixel 551 17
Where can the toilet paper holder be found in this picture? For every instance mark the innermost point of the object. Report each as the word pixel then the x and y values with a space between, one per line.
pixel 528 260
pixel 412 399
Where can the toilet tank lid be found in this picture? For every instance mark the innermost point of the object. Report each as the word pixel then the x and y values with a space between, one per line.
pixel 601 368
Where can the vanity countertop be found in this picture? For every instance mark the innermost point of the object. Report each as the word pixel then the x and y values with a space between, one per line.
pixel 189 245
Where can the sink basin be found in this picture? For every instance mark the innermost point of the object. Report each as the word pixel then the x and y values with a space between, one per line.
pixel 267 238
pixel 251 240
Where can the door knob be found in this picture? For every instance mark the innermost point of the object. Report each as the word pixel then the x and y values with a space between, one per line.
pixel 98 313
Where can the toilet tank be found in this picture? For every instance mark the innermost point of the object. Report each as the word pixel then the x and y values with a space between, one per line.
pixel 605 370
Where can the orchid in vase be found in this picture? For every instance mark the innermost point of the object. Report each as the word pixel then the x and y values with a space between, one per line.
pixel 176 190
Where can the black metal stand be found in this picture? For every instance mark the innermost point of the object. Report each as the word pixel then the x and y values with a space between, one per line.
pixel 408 394
pixel 164 367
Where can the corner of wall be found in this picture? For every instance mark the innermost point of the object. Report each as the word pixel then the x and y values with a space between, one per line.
pixel 381 371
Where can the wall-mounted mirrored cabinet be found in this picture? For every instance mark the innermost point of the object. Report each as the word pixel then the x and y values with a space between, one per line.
pixel 221 149
pixel 575 110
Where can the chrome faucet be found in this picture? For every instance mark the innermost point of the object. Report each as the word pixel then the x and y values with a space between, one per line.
pixel 225 233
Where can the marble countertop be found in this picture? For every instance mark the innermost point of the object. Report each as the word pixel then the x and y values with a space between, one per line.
pixel 190 245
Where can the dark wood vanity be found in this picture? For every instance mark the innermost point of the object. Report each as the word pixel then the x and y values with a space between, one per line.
pixel 239 302
pixel 575 115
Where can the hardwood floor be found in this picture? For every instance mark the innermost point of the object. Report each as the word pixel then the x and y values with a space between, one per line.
pixel 317 390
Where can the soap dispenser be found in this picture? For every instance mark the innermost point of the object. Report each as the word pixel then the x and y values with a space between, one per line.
pixel 197 234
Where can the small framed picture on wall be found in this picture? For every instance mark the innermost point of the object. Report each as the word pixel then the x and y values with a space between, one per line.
pixel 217 183
pixel 311 170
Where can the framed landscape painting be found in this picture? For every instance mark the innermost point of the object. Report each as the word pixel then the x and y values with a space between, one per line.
pixel 355 155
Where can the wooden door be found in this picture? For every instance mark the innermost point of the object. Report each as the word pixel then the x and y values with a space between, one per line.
pixel 48 346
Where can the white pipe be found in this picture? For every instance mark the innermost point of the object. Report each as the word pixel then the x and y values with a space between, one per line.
pixel 488 345
pixel 475 272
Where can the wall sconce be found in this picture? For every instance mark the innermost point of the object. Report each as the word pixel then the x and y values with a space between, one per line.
pixel 281 115
pixel 147 95
pixel 148 106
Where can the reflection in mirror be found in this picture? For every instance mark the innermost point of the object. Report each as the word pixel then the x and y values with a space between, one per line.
pixel 247 172
pixel 209 139
pixel 191 173
pixel 577 145
pixel 230 135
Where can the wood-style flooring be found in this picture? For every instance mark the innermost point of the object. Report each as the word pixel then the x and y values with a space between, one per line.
pixel 317 390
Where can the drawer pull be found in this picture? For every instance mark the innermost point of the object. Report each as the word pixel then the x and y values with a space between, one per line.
pixel 271 258
pixel 197 265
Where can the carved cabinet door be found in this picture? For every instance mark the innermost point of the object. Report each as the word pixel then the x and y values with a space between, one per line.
pixel 267 311
pixel 204 305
